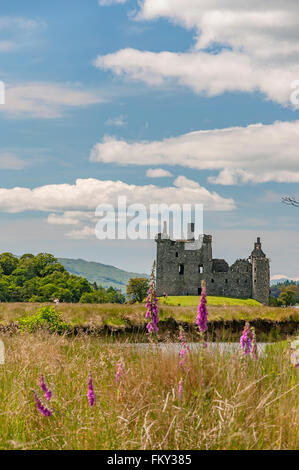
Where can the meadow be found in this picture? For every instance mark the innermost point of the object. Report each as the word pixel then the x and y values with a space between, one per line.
pixel 98 315
pixel 226 400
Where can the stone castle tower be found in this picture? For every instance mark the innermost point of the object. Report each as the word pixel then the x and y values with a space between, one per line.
pixel 260 274
pixel 183 264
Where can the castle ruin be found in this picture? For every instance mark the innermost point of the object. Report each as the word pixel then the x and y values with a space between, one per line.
pixel 183 264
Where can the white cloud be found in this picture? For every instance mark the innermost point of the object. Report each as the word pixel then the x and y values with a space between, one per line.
pixel 118 121
pixel 157 173
pixel 70 218
pixel 253 154
pixel 19 29
pixel 255 47
pixel 283 276
pixel 82 234
pixel 46 100
pixel 9 161
pixel 105 3
pixel 64 219
pixel 86 194
pixel 18 23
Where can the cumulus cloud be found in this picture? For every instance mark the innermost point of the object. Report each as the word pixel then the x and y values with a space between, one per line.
pixel 157 173
pixel 87 194
pixel 237 47
pixel 46 100
pixel 253 154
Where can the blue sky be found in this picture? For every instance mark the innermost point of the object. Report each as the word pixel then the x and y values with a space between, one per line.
pixel 148 73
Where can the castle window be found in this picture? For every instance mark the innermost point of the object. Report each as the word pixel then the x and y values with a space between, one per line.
pixel 200 268
pixel 181 269
pixel 199 291
pixel 255 281
pixel 245 282
pixel 176 255
pixel 212 281
pixel 226 281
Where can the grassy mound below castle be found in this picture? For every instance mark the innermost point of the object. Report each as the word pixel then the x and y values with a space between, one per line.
pixel 193 300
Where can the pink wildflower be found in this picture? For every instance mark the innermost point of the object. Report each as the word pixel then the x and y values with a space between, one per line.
pixel 152 305
pixel 119 372
pixel 43 386
pixel 91 395
pixel 246 339
pixel 45 411
pixel 181 390
pixel 202 317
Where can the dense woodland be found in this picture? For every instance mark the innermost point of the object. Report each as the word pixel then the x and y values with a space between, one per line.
pixel 285 294
pixel 42 278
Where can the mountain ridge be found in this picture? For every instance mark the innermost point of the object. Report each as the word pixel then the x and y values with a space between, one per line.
pixel 103 274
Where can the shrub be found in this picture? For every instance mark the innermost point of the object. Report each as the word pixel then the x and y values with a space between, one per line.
pixel 44 318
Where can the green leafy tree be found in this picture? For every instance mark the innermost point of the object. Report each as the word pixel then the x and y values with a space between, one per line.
pixel 288 298
pixel 8 263
pixel 137 289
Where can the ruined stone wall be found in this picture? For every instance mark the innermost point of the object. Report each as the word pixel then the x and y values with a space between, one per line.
pixel 180 271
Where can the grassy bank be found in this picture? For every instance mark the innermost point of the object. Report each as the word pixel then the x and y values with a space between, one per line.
pixel 127 322
pixel 193 300
pixel 120 315
pixel 233 403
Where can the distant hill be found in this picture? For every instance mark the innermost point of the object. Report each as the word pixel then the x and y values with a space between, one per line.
pixel 102 274
pixel 283 279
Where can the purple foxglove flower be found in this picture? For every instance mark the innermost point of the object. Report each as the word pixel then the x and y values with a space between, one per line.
pixel 202 317
pixel 119 372
pixel 91 395
pixel 44 411
pixel 152 305
pixel 246 339
pixel 43 386
pixel 181 390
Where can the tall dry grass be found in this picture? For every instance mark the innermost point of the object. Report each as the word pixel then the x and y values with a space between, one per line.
pixel 235 404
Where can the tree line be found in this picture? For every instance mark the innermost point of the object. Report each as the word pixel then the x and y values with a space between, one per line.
pixel 42 278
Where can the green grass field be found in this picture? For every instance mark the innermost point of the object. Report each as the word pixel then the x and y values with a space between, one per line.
pixel 193 300
pixel 228 401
